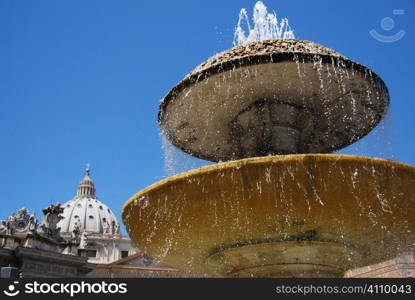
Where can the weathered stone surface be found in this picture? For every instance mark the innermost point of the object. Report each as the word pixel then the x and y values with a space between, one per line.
pixel 51 217
pixel 343 100
pixel 37 263
pixel 265 48
pixel 19 222
pixel 7 257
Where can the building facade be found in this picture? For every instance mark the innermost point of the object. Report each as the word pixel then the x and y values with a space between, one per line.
pixel 32 250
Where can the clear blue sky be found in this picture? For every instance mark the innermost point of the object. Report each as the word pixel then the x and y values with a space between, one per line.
pixel 81 80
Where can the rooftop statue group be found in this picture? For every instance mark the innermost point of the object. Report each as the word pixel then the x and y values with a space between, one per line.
pixel 24 222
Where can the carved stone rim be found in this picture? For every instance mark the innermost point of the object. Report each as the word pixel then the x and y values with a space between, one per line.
pixel 200 74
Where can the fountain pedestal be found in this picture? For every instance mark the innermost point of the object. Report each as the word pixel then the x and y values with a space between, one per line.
pixel 300 257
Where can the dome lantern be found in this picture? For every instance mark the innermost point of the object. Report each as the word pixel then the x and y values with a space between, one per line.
pixel 86 186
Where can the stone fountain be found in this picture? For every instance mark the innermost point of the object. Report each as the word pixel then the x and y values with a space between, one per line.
pixel 277 206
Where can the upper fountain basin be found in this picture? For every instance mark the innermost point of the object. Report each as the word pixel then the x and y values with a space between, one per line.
pixel 272 97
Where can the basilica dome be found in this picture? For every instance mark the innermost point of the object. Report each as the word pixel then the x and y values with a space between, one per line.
pixel 87 213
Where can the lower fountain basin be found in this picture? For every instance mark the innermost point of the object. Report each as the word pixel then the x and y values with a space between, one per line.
pixel 306 215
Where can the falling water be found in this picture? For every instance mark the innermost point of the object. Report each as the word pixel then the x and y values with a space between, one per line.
pixel 380 142
pixel 266 26
pixel 176 161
